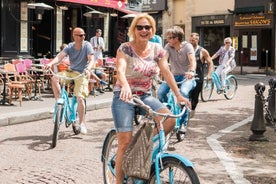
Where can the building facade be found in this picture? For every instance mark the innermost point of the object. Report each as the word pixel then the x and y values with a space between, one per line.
pixel 36 32
pixel 254 29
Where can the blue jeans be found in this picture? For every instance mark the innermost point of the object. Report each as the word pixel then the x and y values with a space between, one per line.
pixel 185 89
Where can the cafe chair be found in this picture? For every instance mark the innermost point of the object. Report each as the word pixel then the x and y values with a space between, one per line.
pixel 14 85
pixel 46 77
pixel 25 78
pixel 15 61
pixel 28 63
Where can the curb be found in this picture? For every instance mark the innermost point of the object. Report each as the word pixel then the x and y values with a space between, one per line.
pixel 43 113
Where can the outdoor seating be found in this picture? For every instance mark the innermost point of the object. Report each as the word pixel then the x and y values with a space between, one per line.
pixel 28 63
pixel 15 86
pixel 45 77
pixel 25 78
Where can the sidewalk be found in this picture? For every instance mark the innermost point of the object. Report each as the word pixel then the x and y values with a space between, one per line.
pixel 37 110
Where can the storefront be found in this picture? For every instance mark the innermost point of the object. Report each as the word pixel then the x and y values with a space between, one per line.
pixel 35 32
pixel 256 39
pixel 212 30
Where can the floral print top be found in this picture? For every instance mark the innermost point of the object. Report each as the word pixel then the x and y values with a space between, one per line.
pixel 140 71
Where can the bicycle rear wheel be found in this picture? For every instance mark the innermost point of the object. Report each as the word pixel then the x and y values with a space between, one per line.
pixel 57 122
pixel 109 156
pixel 230 87
pixel 174 171
pixel 207 90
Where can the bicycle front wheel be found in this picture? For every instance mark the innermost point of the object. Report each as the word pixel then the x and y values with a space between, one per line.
pixel 207 90
pixel 230 87
pixel 175 172
pixel 57 122
pixel 109 158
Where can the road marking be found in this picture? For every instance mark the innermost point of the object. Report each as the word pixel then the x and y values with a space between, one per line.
pixel 235 174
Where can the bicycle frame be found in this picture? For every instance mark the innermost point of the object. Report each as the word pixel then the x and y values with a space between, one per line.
pixel 229 91
pixel 64 111
pixel 216 80
pixel 159 149
pixel 69 109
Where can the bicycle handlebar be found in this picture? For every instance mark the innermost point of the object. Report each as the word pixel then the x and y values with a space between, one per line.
pixel 65 77
pixel 138 102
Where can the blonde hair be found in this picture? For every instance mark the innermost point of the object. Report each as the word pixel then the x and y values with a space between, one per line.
pixel 228 39
pixel 131 30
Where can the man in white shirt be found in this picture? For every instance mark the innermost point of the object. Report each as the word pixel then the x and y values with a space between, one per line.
pixel 97 43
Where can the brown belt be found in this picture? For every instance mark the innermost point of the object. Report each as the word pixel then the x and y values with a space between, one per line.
pixel 140 93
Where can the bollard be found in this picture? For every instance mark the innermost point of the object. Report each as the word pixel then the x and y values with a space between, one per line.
pixel 271 98
pixel 258 123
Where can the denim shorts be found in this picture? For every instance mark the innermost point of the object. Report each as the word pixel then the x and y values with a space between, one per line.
pixel 123 112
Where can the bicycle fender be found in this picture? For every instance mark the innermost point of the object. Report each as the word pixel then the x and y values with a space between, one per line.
pixel 104 143
pixel 187 162
pixel 60 101
pixel 229 76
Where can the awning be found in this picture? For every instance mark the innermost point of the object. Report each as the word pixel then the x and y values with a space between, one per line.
pixel 252 9
pixel 115 4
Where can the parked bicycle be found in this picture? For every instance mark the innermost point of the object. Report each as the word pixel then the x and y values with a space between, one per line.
pixel 208 87
pixel 64 110
pixel 165 167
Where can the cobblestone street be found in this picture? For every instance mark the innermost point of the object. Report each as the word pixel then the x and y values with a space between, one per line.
pixel 27 157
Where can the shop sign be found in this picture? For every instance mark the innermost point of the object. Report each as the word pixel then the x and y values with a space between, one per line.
pixel 146 5
pixel 253 20
pixel 212 22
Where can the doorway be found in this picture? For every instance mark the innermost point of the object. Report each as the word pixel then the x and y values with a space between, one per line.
pixel 254 45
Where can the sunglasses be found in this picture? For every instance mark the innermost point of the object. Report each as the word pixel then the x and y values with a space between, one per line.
pixel 170 37
pixel 140 27
pixel 80 35
pixel 227 42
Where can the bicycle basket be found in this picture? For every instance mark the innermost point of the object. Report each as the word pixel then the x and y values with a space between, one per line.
pixel 137 158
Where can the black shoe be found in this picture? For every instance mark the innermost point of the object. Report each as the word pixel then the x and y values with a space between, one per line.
pixel 101 91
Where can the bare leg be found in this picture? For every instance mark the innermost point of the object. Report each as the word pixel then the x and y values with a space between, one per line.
pixel 56 86
pixel 123 141
pixel 168 124
pixel 81 110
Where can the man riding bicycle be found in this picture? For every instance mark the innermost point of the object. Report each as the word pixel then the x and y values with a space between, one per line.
pixel 80 53
pixel 182 60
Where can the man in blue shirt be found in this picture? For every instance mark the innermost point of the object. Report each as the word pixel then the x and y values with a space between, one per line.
pixel 80 53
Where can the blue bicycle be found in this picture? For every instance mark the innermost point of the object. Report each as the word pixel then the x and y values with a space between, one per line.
pixel 175 108
pixel 64 110
pixel 165 167
pixel 208 87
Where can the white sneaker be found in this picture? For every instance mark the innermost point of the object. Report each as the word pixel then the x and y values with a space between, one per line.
pixel 83 129
pixel 52 111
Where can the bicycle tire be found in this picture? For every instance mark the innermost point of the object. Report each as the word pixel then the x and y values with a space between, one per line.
pixel 57 121
pixel 181 173
pixel 207 90
pixel 109 155
pixel 230 87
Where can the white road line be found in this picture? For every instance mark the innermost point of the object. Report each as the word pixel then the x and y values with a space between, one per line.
pixel 225 159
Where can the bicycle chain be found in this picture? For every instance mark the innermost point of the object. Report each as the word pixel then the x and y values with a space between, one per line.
pixel 268 115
